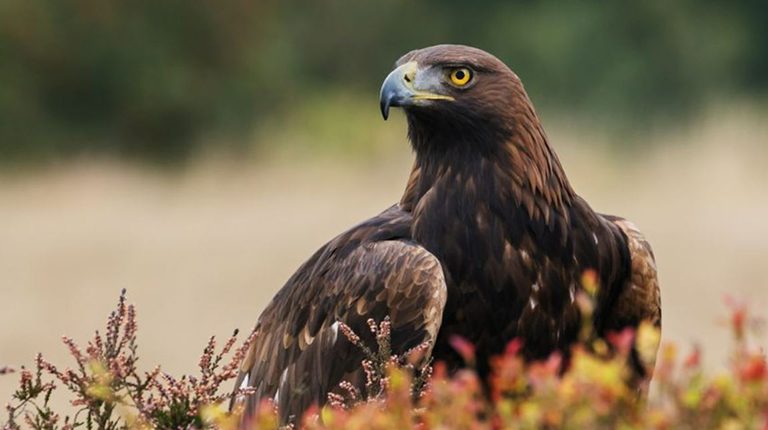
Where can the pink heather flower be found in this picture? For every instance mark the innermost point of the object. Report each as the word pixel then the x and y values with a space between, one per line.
pixel 353 338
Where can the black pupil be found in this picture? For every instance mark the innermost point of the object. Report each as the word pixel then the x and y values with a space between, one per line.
pixel 460 75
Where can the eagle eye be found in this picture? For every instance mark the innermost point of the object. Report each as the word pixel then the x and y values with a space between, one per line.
pixel 460 76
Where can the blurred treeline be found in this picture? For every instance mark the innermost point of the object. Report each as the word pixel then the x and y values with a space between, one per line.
pixel 156 79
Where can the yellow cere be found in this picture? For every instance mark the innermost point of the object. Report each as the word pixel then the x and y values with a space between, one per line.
pixel 460 76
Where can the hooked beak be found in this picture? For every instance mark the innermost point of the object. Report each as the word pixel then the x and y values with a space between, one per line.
pixel 400 88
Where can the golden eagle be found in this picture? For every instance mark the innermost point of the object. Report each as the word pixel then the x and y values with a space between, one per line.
pixel 489 242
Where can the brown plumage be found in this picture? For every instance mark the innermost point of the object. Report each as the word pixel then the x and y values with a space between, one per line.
pixel 489 241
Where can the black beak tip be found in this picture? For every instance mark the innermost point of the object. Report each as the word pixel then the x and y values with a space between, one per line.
pixel 384 105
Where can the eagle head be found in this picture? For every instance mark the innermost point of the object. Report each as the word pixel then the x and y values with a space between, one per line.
pixel 455 89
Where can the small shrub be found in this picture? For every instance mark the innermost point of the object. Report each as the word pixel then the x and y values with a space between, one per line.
pixel 111 393
pixel 405 391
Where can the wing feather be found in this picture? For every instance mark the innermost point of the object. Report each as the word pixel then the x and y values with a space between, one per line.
pixel 299 355
pixel 640 299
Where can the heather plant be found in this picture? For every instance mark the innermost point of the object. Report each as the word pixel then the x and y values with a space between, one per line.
pixel 377 364
pixel 109 390
pixel 592 393
pixel 407 391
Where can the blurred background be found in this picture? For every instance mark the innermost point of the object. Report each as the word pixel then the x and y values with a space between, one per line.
pixel 196 152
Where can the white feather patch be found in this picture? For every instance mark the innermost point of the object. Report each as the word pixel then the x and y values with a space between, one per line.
pixel 334 332
pixel 283 379
pixel 532 303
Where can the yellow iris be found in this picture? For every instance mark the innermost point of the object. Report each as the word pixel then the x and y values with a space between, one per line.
pixel 460 76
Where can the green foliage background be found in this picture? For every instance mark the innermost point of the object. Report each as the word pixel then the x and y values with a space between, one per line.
pixel 157 79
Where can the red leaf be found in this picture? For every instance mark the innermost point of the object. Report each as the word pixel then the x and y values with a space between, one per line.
pixel 464 347
pixel 754 369
pixel 694 358
pixel 514 347
pixel 622 340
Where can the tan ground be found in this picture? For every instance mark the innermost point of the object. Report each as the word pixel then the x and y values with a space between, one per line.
pixel 202 252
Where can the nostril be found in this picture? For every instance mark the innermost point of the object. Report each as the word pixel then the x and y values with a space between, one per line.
pixel 407 78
